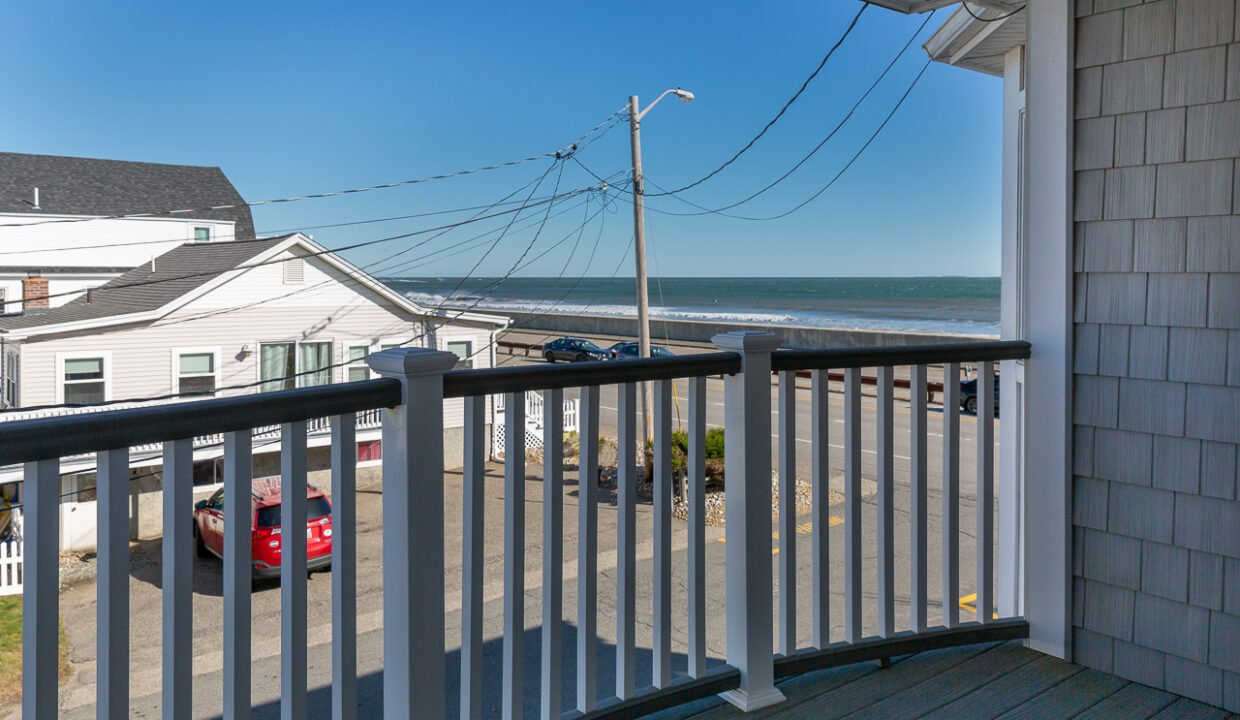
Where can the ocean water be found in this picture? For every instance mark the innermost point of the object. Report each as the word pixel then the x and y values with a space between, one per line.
pixel 918 304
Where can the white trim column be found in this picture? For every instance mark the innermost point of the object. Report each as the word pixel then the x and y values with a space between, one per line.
pixel 1048 376
pixel 413 528
pixel 747 446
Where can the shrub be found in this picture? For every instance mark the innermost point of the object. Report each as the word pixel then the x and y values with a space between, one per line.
pixel 714 444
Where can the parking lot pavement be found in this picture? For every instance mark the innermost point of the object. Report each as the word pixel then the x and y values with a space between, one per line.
pixel 78 603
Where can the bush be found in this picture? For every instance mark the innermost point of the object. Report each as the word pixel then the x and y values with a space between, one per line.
pixel 714 444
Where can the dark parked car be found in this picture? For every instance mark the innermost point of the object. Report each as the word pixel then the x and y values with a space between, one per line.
pixel 630 350
pixel 968 395
pixel 573 350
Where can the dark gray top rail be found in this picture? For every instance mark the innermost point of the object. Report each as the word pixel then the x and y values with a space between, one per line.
pixel 467 383
pixel 66 435
pixel 937 354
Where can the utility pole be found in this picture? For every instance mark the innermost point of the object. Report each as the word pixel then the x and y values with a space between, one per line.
pixel 639 254
pixel 639 242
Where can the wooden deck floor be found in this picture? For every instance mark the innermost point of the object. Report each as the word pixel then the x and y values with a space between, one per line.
pixel 978 682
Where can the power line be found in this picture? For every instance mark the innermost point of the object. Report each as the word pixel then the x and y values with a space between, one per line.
pixel 997 18
pixel 350 282
pixel 822 143
pixel 353 246
pixel 613 119
pixel 244 386
pixel 770 123
pixel 820 191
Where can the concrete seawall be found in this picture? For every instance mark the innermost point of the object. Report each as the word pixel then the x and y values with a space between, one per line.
pixel 799 337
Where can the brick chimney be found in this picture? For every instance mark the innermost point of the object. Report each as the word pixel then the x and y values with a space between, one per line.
pixel 34 293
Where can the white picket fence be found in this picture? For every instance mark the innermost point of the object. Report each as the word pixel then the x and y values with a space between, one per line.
pixel 533 421
pixel 11 553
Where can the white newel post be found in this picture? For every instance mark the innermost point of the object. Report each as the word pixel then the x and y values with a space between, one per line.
pixel 747 481
pixel 413 527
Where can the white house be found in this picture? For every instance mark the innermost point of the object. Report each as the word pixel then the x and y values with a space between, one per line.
pixel 221 319
pixel 58 220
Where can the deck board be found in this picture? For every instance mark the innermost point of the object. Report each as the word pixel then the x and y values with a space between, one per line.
pixel 1133 702
pixel 1007 692
pixel 1185 709
pixel 995 681
pixel 938 691
pixel 1069 698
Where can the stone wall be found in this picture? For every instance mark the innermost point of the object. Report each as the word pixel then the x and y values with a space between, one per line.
pixel 1157 344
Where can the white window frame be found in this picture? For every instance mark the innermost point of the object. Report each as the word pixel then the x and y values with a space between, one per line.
pixel 445 341
pixel 4 298
pixel 334 359
pixel 193 233
pixel 370 348
pixel 176 364
pixel 61 357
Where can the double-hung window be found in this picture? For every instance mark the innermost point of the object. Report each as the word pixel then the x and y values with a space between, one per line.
pixel 357 369
pixel 202 234
pixel 283 366
pixel 84 380
pixel 464 350
pixel 196 372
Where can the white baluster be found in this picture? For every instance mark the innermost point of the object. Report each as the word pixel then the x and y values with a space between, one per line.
pixel 885 527
pixel 344 566
pixel 514 557
pixel 293 654
pixel 587 553
pixel 178 579
pixel 473 488
pixel 553 551
pixel 787 512
pixel 852 505
pixel 626 529
pixel 985 491
pixel 661 672
pixel 820 424
pixel 696 478
pixel 951 495
pixel 238 556
pixel 917 499
pixel 41 588
pixel 112 591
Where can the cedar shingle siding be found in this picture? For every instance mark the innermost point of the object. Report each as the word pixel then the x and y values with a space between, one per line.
pixel 1156 593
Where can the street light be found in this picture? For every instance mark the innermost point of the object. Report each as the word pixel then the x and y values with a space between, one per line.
pixel 639 238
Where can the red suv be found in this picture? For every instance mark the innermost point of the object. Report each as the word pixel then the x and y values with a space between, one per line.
pixel 265 527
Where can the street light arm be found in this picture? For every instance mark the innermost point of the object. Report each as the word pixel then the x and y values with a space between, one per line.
pixel 642 113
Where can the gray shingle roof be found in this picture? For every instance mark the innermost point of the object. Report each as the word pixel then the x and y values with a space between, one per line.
pixel 86 186
pixel 177 272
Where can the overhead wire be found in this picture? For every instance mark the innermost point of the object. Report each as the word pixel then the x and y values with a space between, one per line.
pixel 770 123
pixel 609 121
pixel 997 18
pixel 442 320
pixel 856 156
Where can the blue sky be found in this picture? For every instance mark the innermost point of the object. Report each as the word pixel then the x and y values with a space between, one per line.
pixel 292 98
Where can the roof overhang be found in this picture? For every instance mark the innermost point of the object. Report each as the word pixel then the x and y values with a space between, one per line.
pixel 980 45
pixel 916 7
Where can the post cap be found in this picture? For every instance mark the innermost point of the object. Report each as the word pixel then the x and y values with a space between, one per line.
pixel 407 361
pixel 747 341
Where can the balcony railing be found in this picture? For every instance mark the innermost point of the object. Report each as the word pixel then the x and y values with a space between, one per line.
pixel 411 394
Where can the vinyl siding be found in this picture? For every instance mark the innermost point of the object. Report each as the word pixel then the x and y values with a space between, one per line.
pixel 329 310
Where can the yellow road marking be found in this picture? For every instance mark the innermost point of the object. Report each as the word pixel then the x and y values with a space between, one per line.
pixel 805 528
pixel 969 603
